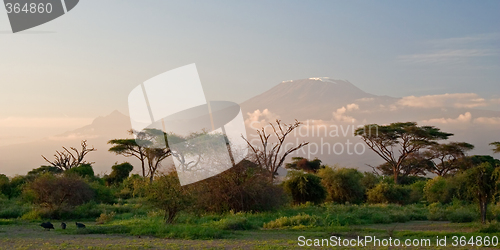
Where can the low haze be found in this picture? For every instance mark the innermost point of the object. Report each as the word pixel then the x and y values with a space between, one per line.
pixel 60 76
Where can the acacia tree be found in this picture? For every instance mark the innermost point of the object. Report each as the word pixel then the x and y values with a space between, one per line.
pixel 416 164
pixel 397 141
pixel 68 159
pixel 301 163
pixel 482 182
pixel 448 155
pixel 146 147
pixel 129 148
pixel 497 147
pixel 271 156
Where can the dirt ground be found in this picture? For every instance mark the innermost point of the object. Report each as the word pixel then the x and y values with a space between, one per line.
pixel 32 236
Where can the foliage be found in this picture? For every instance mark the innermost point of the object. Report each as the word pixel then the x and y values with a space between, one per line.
pixel 102 194
pixel 397 141
pixel 57 193
pixel 167 194
pixel 297 221
pixel 417 192
pixel 105 218
pixel 119 173
pixel 44 170
pixel 244 187
pixel 416 164
pixel 449 157
pixel 83 170
pixel 300 163
pixel 388 193
pixel 369 180
pixel 482 182
pixel 496 146
pixel 439 189
pixel 304 187
pixel 4 185
pixel 343 185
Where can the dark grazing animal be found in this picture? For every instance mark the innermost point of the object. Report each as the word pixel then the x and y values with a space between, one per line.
pixel 47 225
pixel 80 225
pixel 63 225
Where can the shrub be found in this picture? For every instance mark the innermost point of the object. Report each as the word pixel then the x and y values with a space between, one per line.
pixel 342 184
pixel 119 174
pixel 417 192
pixel 102 194
pixel 84 170
pixel 16 186
pixel 491 228
pixel 437 212
pixel 462 214
pixel 234 223
pixel 57 193
pixel 245 187
pixel 4 184
pixel 369 180
pixel 388 193
pixel 298 221
pixel 32 215
pixel 438 190
pixel 105 218
pixel 304 187
pixel 167 194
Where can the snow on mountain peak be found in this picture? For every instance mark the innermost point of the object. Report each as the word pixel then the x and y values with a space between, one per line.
pixel 324 79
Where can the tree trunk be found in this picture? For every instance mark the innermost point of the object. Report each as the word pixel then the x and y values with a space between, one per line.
pixel 483 207
pixel 396 175
pixel 143 169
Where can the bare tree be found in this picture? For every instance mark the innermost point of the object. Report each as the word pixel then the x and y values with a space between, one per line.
pixel 68 159
pixel 271 156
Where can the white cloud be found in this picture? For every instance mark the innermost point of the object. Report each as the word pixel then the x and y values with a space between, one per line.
pixel 44 122
pixel 488 121
pixel 340 116
pixel 458 100
pixel 461 119
pixel 259 118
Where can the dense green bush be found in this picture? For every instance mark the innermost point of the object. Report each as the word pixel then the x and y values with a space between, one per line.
pixel 57 194
pixel 342 185
pixel 439 189
pixel 304 187
pixel 417 192
pixel 245 187
pixel 84 171
pixel 4 185
pixel 370 180
pixel 119 173
pixel 389 193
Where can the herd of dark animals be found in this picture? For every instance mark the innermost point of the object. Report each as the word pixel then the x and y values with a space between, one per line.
pixel 48 225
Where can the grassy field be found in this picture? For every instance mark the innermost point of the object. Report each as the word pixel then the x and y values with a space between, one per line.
pixel 28 235
pixel 270 230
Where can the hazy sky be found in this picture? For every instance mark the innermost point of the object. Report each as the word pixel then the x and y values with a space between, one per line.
pixel 62 74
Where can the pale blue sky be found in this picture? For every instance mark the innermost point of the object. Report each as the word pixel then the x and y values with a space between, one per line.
pixel 84 64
